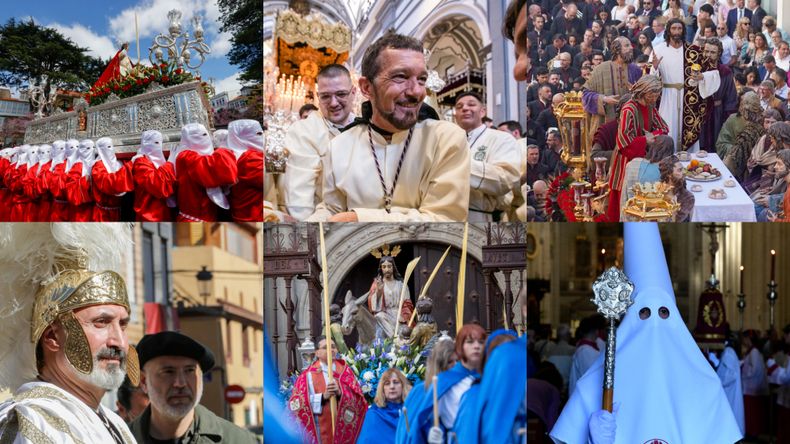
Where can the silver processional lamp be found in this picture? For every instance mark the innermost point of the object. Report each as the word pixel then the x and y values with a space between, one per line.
pixel 612 297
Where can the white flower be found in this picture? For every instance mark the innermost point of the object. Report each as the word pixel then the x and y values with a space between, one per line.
pixel 367 376
pixel 400 361
pixel 366 388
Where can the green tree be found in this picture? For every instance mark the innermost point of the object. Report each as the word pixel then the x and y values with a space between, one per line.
pixel 243 19
pixel 29 51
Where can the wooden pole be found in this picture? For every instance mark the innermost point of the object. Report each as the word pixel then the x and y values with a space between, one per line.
pixel 327 331
pixel 425 287
pixel 435 403
pixel 459 306
pixel 409 269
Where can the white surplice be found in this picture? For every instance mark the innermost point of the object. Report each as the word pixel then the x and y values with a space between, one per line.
pixel 495 172
pixel 433 185
pixel 41 412
pixel 306 141
pixel 671 72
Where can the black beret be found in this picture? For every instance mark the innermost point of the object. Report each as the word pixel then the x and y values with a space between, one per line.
pixel 171 343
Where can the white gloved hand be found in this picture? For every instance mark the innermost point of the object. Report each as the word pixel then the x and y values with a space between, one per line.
pixel 713 359
pixel 603 426
pixel 435 436
pixel 173 154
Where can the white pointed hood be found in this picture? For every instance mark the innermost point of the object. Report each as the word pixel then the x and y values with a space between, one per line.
pixel 665 387
pixel 244 135
pixel 106 151
pixel 195 137
pixel 151 148
pixel 58 153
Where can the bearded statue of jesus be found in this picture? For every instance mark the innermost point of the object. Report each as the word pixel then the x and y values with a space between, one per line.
pixel 384 297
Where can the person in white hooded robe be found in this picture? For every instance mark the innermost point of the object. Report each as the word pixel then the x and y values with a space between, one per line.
pixel 665 390
pixel 111 180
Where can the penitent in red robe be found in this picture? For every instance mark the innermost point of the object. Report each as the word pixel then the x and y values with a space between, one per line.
pixel 246 197
pixel 351 407
pixel 152 188
pixel 42 189
pixel 78 194
pixel 57 187
pixel 195 173
pixel 105 189
pixel 5 196
pixel 31 192
pixel 19 201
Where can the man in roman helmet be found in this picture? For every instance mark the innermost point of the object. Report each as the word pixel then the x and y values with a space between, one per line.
pixel 63 344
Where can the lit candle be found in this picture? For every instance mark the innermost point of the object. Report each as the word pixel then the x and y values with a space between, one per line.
pixel 741 279
pixel 603 259
pixel 773 264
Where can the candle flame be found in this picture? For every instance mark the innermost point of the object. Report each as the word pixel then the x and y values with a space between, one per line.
pixel 773 252
pixel 603 250
pixel 741 267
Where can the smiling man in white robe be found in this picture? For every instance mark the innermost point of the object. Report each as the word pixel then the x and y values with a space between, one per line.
pixel 65 345
pixel 397 163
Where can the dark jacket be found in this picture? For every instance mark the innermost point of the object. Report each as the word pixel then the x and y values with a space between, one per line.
pixel 207 428
pixel 757 19
pixel 732 19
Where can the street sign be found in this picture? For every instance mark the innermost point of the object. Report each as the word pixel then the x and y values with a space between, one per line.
pixel 234 394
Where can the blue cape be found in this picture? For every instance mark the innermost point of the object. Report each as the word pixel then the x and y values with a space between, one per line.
pixel 413 401
pixel 422 419
pixel 281 426
pixel 490 410
pixel 380 424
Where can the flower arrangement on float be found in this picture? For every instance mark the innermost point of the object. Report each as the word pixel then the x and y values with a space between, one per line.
pixel 138 81
pixel 560 200
pixel 369 362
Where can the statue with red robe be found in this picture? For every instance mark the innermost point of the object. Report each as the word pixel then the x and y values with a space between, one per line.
pixel 310 401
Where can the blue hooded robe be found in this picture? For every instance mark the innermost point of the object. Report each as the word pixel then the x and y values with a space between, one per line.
pixel 281 427
pixel 422 418
pixel 380 424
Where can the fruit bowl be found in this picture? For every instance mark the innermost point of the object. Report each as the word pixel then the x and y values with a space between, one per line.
pixel 700 171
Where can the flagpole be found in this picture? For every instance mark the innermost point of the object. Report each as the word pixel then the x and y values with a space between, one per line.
pixel 327 331
pixel 137 35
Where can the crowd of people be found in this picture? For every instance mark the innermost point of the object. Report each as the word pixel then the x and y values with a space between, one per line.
pixel 717 73
pixel 204 178
pixel 470 404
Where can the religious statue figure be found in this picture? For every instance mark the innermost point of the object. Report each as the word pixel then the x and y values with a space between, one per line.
pixel 335 326
pixel 124 63
pixel 426 327
pixel 385 292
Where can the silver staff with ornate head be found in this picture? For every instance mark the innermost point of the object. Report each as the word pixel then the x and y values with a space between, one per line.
pixel 613 297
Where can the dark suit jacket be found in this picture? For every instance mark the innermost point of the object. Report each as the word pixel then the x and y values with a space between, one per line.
pixel 536 107
pixel 732 19
pixel 655 12
pixel 547 119
pixel 561 25
pixel 757 18
pixel 552 52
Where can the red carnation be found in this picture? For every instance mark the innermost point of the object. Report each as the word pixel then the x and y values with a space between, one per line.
pixel 165 78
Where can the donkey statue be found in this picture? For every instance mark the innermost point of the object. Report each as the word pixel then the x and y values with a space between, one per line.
pixel 356 315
